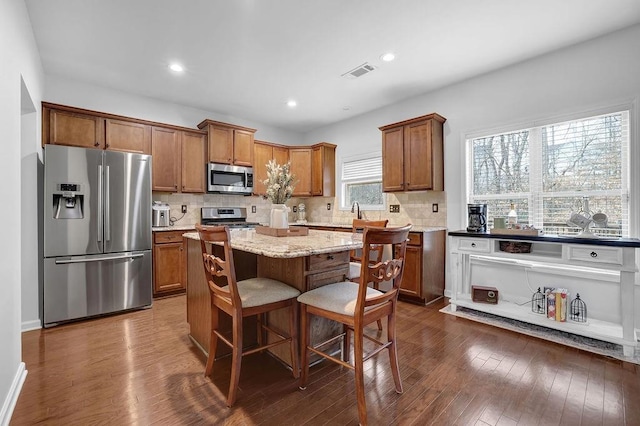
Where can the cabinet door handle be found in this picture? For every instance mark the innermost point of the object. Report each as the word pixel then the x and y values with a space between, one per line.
pixel 594 254
pixel 473 244
pixel 330 257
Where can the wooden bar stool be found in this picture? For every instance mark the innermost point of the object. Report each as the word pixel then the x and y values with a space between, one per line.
pixel 355 260
pixel 356 305
pixel 254 296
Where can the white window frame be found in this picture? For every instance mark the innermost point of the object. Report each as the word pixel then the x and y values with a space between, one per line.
pixel 633 155
pixel 342 193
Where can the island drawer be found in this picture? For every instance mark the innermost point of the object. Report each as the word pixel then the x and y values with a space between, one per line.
pixel 163 237
pixel 475 245
pixel 324 278
pixel 595 254
pixel 319 262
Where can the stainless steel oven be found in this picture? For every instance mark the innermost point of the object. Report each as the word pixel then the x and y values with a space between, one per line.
pixel 226 179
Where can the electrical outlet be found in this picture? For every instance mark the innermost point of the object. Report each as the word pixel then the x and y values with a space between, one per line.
pixel 184 208
pixel 253 209
pixel 434 207
pixel 295 209
pixel 328 206
pixel 394 208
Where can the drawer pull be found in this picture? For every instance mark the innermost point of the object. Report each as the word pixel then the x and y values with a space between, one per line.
pixel 594 254
pixel 473 244
pixel 330 257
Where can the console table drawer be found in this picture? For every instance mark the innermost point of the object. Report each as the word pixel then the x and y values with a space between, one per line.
pixel 595 254
pixel 474 245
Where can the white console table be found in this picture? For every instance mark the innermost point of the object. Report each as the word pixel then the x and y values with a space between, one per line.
pixel 586 256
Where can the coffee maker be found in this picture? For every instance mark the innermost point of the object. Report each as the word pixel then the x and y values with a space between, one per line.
pixel 477 217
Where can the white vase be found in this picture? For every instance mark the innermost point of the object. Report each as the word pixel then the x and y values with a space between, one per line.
pixel 279 216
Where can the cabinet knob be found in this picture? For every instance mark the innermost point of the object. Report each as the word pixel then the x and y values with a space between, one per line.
pixel 473 244
pixel 330 257
pixel 96 144
pixel 107 145
pixel 175 186
pixel 594 254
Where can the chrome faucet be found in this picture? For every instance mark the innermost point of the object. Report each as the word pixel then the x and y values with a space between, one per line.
pixel 355 208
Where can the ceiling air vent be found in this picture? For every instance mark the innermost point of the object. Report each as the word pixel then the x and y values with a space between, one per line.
pixel 359 71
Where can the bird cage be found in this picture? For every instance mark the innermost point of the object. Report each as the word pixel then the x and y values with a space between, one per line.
pixel 578 310
pixel 537 302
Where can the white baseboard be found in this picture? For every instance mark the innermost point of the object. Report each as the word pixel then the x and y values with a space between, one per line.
pixel 31 325
pixel 12 397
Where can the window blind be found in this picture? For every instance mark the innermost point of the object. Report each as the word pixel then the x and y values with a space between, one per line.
pixel 362 170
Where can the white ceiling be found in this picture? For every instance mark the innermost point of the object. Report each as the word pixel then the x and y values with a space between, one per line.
pixel 246 58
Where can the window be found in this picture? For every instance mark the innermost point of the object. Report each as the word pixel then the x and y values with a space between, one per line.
pixel 362 182
pixel 548 172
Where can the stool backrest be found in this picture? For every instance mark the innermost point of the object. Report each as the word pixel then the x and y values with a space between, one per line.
pixel 375 272
pixel 358 225
pixel 219 270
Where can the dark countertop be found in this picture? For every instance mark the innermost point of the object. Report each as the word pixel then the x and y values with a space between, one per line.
pixel 569 239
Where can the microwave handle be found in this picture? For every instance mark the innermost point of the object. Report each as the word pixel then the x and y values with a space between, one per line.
pixel 246 179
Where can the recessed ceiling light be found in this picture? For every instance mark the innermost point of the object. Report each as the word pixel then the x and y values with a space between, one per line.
pixel 388 57
pixel 292 103
pixel 176 67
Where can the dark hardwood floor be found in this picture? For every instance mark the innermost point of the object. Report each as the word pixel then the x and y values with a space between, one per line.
pixel 141 368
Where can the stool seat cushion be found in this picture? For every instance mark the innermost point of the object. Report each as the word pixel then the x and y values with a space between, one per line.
pixel 262 291
pixel 339 297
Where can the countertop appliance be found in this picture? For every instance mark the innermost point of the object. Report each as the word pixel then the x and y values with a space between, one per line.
pixel 227 179
pixel 97 232
pixel 160 214
pixel 233 217
pixel 477 217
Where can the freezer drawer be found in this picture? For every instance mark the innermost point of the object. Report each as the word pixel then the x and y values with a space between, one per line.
pixel 83 286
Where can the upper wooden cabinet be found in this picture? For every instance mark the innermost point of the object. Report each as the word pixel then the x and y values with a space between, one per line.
pixel 128 136
pixel 194 161
pixel 412 155
pixel 323 170
pixel 229 144
pixel 300 159
pixel 314 167
pixel 263 152
pixel 165 150
pixel 179 160
pixel 61 127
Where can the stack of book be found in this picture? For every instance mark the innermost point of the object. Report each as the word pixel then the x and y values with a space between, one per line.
pixel 556 303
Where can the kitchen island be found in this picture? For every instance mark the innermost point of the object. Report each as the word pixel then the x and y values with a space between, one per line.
pixel 303 262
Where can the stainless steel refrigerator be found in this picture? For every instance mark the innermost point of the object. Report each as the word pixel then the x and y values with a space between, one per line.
pixel 97 233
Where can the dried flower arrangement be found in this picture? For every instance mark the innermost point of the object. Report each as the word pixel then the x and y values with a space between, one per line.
pixel 279 182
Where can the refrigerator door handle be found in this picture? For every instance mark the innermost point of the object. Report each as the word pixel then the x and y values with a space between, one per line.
pixel 100 235
pixel 107 214
pixel 99 259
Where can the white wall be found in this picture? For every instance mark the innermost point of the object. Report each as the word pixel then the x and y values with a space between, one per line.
pixel 68 92
pixel 20 61
pixel 596 74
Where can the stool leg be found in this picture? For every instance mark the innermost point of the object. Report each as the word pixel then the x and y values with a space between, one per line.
pixel 293 333
pixel 305 340
pixel 393 351
pixel 213 340
pixel 358 354
pixel 346 343
pixel 236 360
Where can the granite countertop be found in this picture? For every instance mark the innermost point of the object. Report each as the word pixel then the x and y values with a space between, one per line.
pixel 317 242
pixel 173 228
pixel 415 228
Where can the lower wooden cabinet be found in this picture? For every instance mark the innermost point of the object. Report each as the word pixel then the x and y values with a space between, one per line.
pixel 423 280
pixel 169 272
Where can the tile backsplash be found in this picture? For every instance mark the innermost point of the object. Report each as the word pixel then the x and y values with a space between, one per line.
pixel 415 208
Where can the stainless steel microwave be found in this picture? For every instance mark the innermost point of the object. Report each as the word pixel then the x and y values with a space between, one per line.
pixel 227 179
